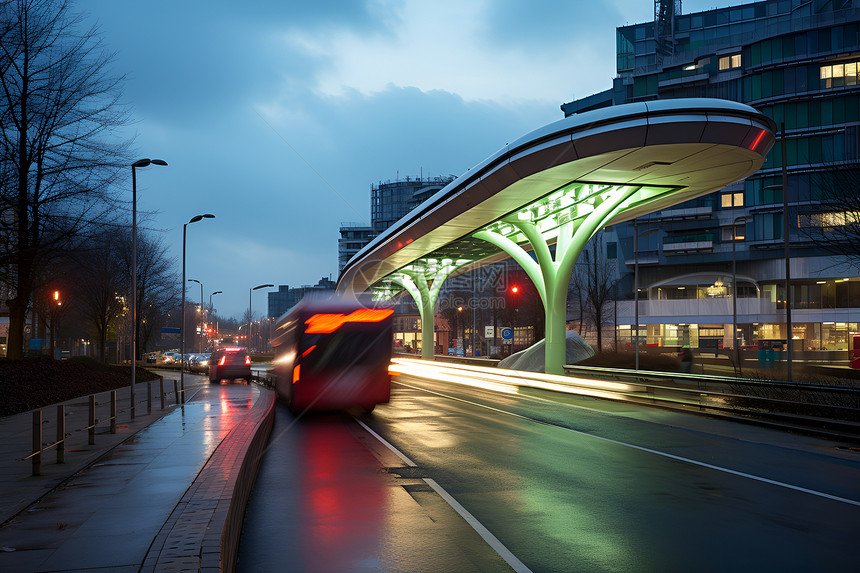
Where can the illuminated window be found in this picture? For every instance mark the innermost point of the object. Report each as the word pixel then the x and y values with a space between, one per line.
pixel 732 199
pixel 839 75
pixel 829 220
pixel 730 62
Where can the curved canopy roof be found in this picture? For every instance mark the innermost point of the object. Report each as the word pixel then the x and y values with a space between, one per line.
pixel 675 150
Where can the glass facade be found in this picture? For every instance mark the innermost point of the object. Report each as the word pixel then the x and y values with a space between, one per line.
pixel 392 200
pixel 798 63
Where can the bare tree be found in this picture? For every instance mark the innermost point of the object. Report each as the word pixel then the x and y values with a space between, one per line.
pixel 101 280
pixel 835 224
pixel 599 287
pixel 157 282
pixel 59 152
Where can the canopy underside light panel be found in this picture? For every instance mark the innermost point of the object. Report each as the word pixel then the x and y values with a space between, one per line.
pixel 659 153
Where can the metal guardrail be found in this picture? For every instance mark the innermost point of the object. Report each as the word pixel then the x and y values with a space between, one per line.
pixel 38 448
pixel 827 410
pixel 833 410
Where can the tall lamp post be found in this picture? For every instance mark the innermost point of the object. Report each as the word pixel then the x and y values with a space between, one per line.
pixel 193 219
pixel 636 236
pixel 210 298
pixel 201 311
pixel 136 165
pixel 785 241
pixel 735 293
pixel 250 314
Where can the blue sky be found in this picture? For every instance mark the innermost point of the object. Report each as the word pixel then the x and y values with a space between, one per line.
pixel 277 116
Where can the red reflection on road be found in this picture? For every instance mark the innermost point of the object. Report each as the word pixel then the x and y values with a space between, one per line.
pixel 231 405
pixel 344 505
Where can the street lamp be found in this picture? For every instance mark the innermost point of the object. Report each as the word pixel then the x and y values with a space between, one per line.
pixel 735 294
pixel 636 236
pixel 201 311
pixel 250 314
pixel 55 310
pixel 193 219
pixel 210 300
pixel 785 229
pixel 213 294
pixel 136 165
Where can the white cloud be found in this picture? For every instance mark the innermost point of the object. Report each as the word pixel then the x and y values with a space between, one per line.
pixel 444 45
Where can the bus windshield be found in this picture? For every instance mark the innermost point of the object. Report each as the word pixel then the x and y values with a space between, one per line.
pixel 344 348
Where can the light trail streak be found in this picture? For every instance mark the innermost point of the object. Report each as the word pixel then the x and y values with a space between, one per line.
pixel 492 379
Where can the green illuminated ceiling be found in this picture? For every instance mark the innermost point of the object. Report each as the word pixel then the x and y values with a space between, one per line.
pixel 571 203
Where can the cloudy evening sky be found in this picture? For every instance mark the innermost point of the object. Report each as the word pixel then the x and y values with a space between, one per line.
pixel 277 116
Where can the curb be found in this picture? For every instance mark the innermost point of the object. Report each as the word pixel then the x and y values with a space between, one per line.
pixel 202 533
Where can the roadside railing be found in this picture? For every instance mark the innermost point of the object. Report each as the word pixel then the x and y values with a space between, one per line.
pixel 38 447
pixel 830 408
pixel 826 409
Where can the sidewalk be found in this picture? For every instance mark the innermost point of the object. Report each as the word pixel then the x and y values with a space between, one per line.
pixel 124 502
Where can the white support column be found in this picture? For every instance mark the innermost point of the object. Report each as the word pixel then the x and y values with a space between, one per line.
pixel 424 286
pixel 551 275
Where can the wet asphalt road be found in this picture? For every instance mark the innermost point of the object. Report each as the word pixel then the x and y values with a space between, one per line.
pixel 563 483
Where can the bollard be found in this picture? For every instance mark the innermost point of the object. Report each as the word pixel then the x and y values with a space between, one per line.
pixel 176 391
pixel 61 434
pixel 113 411
pixel 37 443
pixel 182 390
pixel 161 389
pixel 149 397
pixel 92 427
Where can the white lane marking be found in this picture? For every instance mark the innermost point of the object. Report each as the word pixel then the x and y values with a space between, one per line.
pixel 479 528
pixel 655 452
pixel 385 443
pixel 485 534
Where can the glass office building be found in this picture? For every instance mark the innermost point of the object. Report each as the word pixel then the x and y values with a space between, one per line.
pixel 798 62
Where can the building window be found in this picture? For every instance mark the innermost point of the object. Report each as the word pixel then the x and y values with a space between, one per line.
pixel 839 75
pixel 829 220
pixel 732 200
pixel 612 250
pixel 740 233
pixel 730 62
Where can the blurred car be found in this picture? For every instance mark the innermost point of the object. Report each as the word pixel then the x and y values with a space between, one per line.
pixel 151 357
pixel 169 357
pixel 229 363
pixel 199 363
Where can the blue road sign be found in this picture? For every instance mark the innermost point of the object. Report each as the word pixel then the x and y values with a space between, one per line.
pixel 170 330
pixel 507 333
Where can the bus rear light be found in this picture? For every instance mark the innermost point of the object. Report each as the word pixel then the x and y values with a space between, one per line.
pixel 308 351
pixel 325 323
pixel 248 360
pixel 296 370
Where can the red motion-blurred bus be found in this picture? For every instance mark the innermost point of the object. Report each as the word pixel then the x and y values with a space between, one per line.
pixel 332 355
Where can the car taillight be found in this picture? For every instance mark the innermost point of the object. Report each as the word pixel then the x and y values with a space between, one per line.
pixel 247 361
pixel 223 360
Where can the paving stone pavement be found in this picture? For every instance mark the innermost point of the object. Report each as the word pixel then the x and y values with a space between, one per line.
pixel 108 504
